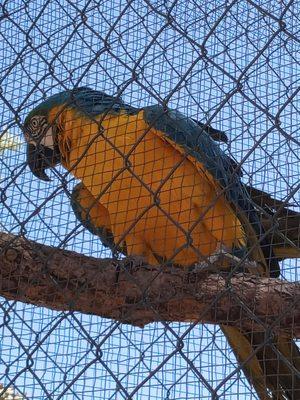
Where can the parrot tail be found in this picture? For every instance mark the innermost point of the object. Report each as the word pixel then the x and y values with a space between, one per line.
pixel 282 223
pixel 272 365
pixel 286 251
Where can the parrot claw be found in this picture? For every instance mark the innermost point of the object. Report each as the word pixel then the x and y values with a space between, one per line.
pixel 214 262
pixel 203 267
pixel 129 265
pixel 134 262
pixel 223 260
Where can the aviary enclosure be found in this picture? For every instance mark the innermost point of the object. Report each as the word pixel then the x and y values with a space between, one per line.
pixel 144 263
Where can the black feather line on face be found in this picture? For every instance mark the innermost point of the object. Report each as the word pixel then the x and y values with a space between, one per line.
pixel 36 128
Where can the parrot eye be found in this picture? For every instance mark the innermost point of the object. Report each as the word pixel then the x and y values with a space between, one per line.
pixel 37 126
pixel 34 123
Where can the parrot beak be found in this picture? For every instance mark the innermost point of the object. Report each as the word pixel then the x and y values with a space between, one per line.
pixel 39 158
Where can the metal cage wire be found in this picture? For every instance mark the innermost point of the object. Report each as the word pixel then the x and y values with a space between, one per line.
pixel 231 64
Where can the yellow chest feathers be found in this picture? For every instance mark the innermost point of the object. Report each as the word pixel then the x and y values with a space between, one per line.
pixel 159 201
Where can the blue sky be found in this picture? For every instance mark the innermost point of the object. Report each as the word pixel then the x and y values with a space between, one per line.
pixel 49 46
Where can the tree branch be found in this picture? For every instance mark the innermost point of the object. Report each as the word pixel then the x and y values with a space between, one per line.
pixel 132 292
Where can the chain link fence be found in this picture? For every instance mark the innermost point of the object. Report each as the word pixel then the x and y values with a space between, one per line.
pixel 232 65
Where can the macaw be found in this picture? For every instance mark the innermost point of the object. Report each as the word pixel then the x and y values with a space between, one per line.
pixel 154 183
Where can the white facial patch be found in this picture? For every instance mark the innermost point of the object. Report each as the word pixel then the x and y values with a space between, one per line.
pixel 47 140
pixel 39 132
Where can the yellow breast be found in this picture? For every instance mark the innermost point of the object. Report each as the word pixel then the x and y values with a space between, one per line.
pixel 163 204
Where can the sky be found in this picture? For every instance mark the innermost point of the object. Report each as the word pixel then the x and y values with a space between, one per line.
pixel 224 62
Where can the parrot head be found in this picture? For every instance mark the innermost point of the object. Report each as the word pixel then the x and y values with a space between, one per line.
pixel 41 133
pixel 41 136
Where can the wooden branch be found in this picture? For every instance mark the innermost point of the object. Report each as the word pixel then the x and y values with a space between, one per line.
pixel 137 294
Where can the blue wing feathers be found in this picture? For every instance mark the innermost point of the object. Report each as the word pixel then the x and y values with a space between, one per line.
pixel 197 142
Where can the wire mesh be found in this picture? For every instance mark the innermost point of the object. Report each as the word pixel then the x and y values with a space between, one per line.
pixel 229 64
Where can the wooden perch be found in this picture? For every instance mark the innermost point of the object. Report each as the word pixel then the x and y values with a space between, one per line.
pixel 137 294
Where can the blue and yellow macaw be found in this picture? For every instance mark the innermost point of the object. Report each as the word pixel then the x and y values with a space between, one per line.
pixel 155 184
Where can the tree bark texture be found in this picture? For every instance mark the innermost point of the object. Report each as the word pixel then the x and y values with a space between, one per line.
pixel 132 292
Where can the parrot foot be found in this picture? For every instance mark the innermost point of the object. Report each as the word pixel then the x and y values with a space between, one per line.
pixel 133 262
pixel 223 260
pixel 214 262
pixel 237 264
pixel 129 265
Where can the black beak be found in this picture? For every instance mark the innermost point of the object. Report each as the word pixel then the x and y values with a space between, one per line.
pixel 39 158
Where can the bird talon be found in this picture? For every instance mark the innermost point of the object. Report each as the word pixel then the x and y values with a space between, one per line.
pixel 129 266
pixel 223 260
pixel 203 267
